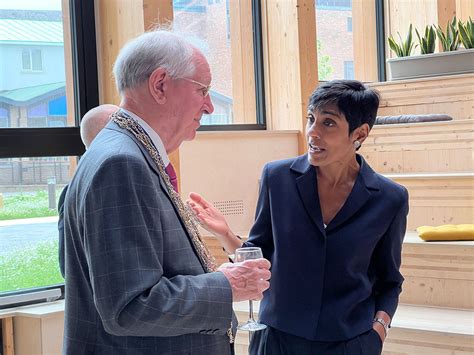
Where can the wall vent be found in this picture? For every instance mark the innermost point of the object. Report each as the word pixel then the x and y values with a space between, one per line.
pixel 230 207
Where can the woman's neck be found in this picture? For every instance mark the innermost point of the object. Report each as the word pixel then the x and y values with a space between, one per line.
pixel 339 173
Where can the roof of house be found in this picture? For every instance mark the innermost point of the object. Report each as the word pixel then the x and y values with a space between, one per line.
pixel 32 32
pixel 31 94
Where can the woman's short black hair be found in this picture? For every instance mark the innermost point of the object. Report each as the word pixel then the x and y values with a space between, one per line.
pixel 356 101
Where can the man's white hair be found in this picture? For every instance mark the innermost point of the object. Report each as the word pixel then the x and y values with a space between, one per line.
pixel 156 49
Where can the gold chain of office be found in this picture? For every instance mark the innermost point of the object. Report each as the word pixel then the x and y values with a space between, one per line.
pixel 128 123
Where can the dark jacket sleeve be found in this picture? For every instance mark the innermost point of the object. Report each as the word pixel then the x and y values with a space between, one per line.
pixel 387 261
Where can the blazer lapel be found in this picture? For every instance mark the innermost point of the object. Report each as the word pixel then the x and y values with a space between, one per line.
pixel 147 156
pixel 306 184
pixel 366 182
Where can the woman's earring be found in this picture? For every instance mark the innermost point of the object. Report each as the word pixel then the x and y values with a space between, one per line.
pixel 356 145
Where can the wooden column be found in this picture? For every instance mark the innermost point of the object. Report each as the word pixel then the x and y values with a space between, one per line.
pixel 365 45
pixel 291 63
pixel 117 21
pixel 446 12
pixel 71 109
pixel 308 61
pixel 242 56
pixel 7 336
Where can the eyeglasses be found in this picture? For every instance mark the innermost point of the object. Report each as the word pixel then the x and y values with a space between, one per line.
pixel 205 88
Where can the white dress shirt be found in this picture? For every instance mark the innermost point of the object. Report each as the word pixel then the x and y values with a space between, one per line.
pixel 155 138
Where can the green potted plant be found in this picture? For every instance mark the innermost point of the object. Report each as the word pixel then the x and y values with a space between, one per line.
pixel 428 41
pixel 449 39
pixel 466 33
pixel 453 59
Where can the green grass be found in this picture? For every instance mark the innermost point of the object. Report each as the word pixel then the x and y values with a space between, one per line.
pixel 27 205
pixel 32 267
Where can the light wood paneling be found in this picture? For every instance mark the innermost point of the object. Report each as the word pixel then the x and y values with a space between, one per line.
pixel 365 45
pixel 7 336
pixel 446 12
pixel 438 199
pixel 308 63
pixel 443 147
pixel 291 75
pixel 120 21
pixel 225 167
pixel 437 274
pixel 27 336
pixel 401 13
pixel 406 341
pixel 155 13
pixel 451 95
pixel 464 9
pixel 242 55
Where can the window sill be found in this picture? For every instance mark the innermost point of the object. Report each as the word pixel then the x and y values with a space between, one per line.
pixel 42 310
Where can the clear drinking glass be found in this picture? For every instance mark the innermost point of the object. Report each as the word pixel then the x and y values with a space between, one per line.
pixel 242 254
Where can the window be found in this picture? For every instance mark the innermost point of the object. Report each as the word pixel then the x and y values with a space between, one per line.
pixel 32 60
pixel 223 31
pixel 340 43
pixel 36 161
pixel 349 70
pixel 197 6
pixel 4 119
pixel 334 4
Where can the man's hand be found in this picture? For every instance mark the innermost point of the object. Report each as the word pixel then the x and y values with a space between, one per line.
pixel 248 279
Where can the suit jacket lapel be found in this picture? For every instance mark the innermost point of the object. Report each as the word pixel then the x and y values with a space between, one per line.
pixel 306 184
pixel 147 156
pixel 366 182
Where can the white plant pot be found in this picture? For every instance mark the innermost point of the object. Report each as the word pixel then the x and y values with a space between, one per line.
pixel 421 66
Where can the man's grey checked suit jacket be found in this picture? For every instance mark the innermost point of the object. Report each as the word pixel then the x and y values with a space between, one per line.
pixel 134 284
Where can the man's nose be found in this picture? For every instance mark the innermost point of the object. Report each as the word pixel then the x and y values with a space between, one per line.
pixel 208 106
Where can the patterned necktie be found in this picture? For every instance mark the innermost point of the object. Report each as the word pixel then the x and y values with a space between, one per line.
pixel 172 174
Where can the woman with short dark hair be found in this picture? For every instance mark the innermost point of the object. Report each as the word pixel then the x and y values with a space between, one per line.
pixel 333 231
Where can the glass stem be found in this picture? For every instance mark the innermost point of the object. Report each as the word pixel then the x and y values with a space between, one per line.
pixel 251 311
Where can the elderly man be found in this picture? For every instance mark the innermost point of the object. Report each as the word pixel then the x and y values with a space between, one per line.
pixel 91 124
pixel 138 278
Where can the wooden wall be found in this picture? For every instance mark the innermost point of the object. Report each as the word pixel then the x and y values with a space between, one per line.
pixel 430 148
pixel 451 95
pixel 464 9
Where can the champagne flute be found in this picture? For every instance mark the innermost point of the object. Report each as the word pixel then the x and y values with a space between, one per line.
pixel 242 254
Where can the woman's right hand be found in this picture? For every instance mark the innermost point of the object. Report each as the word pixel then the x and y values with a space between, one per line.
pixel 210 217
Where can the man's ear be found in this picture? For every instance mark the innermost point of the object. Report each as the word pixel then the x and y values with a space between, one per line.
pixel 157 85
pixel 361 133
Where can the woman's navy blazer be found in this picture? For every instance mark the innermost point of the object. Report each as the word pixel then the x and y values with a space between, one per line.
pixel 328 283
